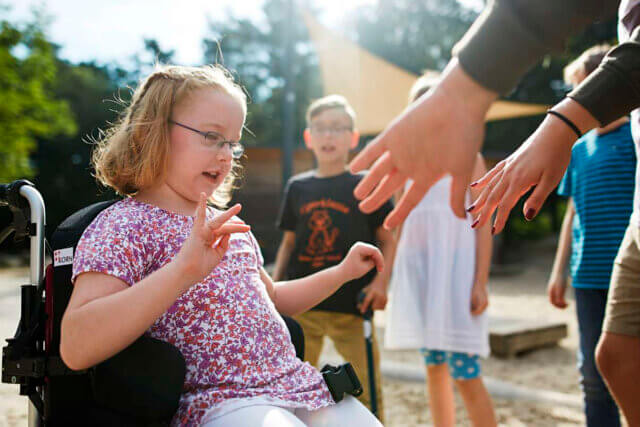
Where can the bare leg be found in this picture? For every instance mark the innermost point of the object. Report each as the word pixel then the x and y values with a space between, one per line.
pixel 441 395
pixel 478 402
pixel 618 359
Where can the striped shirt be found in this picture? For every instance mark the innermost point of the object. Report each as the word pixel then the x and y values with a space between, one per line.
pixel 600 179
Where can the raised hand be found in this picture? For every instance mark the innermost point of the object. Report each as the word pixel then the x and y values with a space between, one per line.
pixel 439 134
pixel 208 241
pixel 362 257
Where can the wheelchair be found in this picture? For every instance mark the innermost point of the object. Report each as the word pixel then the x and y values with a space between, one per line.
pixel 140 386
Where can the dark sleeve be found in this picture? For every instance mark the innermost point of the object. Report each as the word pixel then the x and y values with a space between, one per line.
pixel 510 36
pixel 613 89
pixel 287 217
pixel 377 218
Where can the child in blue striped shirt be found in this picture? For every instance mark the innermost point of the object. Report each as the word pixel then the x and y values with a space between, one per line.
pixel 599 184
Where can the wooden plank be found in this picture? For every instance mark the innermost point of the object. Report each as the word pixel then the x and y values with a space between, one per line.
pixel 509 337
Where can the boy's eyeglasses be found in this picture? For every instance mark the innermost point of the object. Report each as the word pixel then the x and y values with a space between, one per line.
pixel 213 139
pixel 330 131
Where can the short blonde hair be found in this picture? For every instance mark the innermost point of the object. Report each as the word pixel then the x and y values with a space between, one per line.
pixel 586 63
pixel 424 83
pixel 133 152
pixel 331 102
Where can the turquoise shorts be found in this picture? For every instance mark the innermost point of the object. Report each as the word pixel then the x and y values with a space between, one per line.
pixel 462 366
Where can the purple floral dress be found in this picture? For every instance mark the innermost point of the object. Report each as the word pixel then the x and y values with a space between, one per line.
pixel 235 343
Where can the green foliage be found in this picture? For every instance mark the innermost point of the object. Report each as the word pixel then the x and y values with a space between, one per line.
pixel 64 176
pixel 415 35
pixel 254 52
pixel 29 108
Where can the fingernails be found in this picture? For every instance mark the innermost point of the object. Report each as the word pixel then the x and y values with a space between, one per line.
pixel 475 223
pixel 473 184
pixel 493 230
pixel 470 208
pixel 530 214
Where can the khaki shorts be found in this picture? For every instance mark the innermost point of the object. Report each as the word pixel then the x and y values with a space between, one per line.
pixel 623 306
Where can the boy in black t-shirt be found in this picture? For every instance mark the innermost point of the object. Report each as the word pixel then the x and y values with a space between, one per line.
pixel 321 221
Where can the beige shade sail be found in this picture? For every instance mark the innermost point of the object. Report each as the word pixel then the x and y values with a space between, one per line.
pixel 377 89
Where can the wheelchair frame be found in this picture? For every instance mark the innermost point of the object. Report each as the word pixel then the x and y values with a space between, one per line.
pixel 122 390
pixel 28 369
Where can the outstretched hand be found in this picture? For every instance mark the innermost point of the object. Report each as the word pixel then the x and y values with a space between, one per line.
pixel 540 162
pixel 208 241
pixel 439 134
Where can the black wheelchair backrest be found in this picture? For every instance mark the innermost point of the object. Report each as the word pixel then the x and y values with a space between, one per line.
pixel 138 386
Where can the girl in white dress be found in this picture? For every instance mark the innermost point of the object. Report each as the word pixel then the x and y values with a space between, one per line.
pixel 439 287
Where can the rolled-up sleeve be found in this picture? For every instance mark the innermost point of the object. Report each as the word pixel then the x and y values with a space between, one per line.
pixel 511 36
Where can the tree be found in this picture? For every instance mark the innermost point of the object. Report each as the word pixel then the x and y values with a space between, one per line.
pixel 254 52
pixel 64 174
pixel 415 35
pixel 29 108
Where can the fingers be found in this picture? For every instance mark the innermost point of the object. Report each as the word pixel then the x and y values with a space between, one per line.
pixel 496 190
pixel 458 196
pixel 408 201
pixel 367 301
pixel 478 308
pixel 368 155
pixel 509 200
pixel 560 301
pixel 230 228
pixel 225 216
pixel 481 201
pixel 371 253
pixel 379 303
pixel 556 296
pixel 536 200
pixel 382 167
pixel 389 185
pixel 378 259
pixel 223 245
pixel 550 294
pixel 489 175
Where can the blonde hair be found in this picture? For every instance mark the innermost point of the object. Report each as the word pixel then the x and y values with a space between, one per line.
pixel 424 83
pixel 133 152
pixel 585 64
pixel 331 102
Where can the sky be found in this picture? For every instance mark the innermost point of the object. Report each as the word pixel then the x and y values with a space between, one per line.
pixel 113 30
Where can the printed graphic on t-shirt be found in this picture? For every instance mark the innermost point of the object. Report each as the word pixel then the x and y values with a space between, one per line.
pixel 323 233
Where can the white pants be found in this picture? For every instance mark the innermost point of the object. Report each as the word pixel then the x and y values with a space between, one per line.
pixel 348 412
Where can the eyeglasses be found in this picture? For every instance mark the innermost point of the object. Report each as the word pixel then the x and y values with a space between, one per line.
pixel 330 131
pixel 214 140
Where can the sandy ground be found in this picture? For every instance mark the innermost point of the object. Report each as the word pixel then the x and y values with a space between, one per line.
pixel 521 295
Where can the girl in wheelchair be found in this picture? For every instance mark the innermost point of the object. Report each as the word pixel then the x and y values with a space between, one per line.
pixel 163 262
